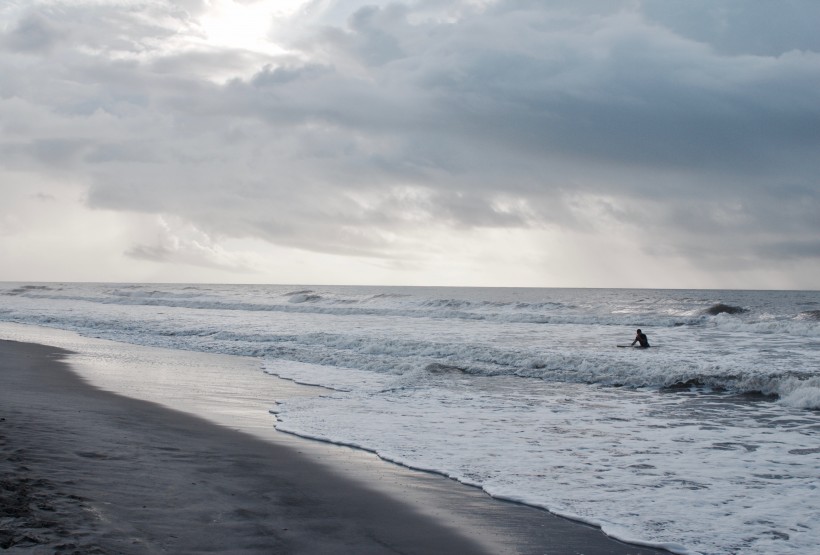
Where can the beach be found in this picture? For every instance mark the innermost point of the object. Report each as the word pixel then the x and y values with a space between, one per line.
pixel 704 443
pixel 89 471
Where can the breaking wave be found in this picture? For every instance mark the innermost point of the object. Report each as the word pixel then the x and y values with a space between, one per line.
pixel 569 338
pixel 666 313
pixel 721 308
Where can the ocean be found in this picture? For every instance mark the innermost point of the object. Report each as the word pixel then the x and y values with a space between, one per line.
pixel 707 442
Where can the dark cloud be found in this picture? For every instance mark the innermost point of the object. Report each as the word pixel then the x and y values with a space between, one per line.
pixel 33 33
pixel 154 253
pixel 697 122
pixel 769 28
pixel 798 249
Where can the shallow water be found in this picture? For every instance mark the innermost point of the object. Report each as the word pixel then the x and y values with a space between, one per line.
pixel 707 442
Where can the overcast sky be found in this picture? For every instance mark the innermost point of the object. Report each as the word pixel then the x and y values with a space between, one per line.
pixel 603 143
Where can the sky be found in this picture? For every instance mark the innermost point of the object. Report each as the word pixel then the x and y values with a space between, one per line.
pixel 565 143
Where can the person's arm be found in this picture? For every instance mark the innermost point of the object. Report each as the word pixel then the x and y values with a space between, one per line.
pixel 633 343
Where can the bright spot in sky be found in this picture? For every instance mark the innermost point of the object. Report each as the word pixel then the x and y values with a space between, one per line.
pixel 246 25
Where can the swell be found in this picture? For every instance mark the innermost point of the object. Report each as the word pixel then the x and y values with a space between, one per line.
pixel 425 360
pixel 307 301
pixel 721 308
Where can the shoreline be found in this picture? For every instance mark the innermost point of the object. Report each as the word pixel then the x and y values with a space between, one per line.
pixel 117 474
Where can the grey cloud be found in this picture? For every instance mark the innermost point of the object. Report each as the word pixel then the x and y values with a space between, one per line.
pixel 99 27
pixel 790 250
pixel 204 63
pixel 630 93
pixel 745 231
pixel 33 33
pixel 283 74
pixel 154 253
pixel 189 245
pixel 541 102
pixel 770 28
pixel 192 257
pixel 369 41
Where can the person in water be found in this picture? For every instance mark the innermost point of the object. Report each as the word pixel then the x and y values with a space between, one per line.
pixel 641 338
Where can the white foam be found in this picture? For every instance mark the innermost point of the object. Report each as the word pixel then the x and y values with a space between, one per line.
pixel 679 471
pixel 800 393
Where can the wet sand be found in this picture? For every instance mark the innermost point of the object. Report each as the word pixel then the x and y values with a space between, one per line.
pixel 89 471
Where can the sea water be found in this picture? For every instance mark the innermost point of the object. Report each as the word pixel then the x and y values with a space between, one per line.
pixel 708 442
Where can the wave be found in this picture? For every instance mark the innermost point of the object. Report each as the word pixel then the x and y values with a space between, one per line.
pixel 811 315
pixel 136 296
pixel 388 332
pixel 659 313
pixel 27 289
pixel 425 359
pixel 791 388
pixel 721 308
pixel 438 368
pixel 800 393
pixel 310 301
pixel 299 292
pixel 297 298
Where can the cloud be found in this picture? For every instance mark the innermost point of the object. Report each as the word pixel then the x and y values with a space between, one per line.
pixel 771 28
pixel 178 243
pixel 691 127
pixel 33 33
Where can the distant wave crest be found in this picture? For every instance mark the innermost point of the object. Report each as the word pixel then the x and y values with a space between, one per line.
pixel 811 315
pixel 721 308
pixel 304 298
pixel 27 289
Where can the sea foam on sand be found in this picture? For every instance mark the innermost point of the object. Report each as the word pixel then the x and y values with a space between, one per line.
pixel 128 476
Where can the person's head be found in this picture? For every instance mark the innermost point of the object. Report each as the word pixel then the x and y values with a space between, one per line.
pixel 639 330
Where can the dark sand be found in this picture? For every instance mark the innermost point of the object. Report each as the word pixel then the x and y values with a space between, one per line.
pixel 87 471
